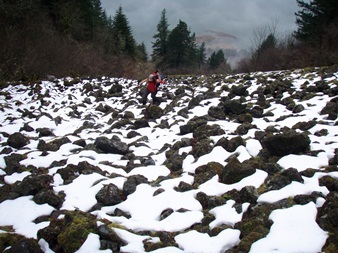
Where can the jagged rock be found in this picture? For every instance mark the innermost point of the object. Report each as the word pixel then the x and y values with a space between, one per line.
pixel 287 143
pixel 205 172
pixel 128 115
pixel 331 109
pixel 165 213
pixel 116 88
pixel 17 140
pixel 109 195
pixel 217 112
pixel 174 161
pixel 140 123
pixel 132 134
pixel 334 159
pixel 80 142
pixel 68 234
pixel 132 182
pixel 32 184
pixel 305 125
pixel 104 108
pixel 230 145
pixel 111 146
pixel 72 171
pixel 13 163
pixel 154 112
pixel 195 101
pixel 183 187
pixel 209 202
pixel 271 168
pixel 7 193
pixel 109 239
pixel 249 194
pixel 53 145
pixel 233 107
pixel 148 161
pixel 26 127
pixel 192 125
pixel 243 128
pixel 327 219
pixel 202 147
pixel 49 197
pixel 44 131
pixel 298 108
pixel 204 131
pixel 235 171
pixel 245 118
pixel 280 180
pixel 257 112
pixel 179 91
pixel 120 124
pixel 330 183
pixel 25 246
pixel 238 90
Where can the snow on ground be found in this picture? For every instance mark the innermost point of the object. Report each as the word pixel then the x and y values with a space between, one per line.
pixel 293 230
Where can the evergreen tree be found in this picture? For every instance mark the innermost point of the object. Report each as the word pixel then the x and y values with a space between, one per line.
pixel 216 60
pixel 181 46
pixel 201 55
pixel 142 52
pixel 161 40
pixel 124 41
pixel 317 20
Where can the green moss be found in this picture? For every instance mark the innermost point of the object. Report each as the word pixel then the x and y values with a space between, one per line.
pixel 79 225
pixel 7 240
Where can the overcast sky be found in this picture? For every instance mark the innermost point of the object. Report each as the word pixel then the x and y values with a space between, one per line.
pixel 208 19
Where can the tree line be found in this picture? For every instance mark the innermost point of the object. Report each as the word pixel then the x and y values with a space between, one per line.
pixel 314 43
pixel 78 38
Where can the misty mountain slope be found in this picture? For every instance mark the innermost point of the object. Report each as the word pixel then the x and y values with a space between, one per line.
pixel 237 163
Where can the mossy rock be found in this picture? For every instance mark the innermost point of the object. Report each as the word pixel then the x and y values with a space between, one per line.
pixel 247 241
pixel 8 240
pixel 78 226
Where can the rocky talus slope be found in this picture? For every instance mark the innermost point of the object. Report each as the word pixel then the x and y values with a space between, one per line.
pixel 56 132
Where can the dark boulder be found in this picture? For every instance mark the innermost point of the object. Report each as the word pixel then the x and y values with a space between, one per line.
pixel 192 125
pixel 111 145
pixel 109 239
pixel 132 182
pixel 25 246
pixel 230 145
pixel 217 112
pixel 13 163
pixel 109 195
pixel 44 131
pixel 32 184
pixel 235 171
pixel 154 112
pixel 53 145
pixel 331 108
pixel 141 123
pixel 17 140
pixel 286 143
pixel 204 131
pixel 47 196
pixel 233 107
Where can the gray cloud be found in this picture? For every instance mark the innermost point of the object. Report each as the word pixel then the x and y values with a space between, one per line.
pixel 231 21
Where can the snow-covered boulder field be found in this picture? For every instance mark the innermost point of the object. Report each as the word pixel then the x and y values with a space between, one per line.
pixel 224 163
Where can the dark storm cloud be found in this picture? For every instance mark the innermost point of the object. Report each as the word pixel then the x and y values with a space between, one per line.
pixel 232 21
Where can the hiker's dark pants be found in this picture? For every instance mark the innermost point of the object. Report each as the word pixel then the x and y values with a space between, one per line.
pixel 145 96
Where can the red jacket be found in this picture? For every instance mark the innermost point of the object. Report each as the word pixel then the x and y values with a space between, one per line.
pixel 152 85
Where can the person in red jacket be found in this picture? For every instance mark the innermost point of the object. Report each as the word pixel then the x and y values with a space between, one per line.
pixel 154 81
